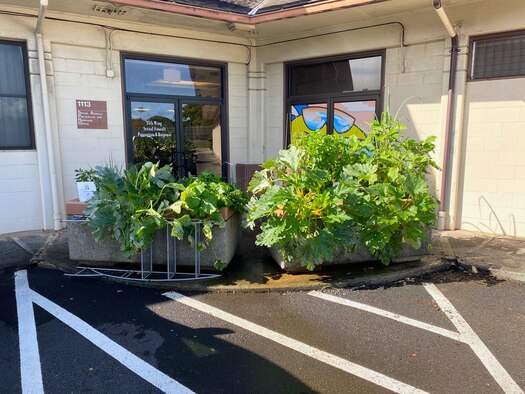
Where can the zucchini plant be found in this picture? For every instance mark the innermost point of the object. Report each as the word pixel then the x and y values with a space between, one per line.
pixel 329 194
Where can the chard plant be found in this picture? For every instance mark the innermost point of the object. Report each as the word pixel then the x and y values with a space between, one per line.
pixel 130 206
pixel 329 194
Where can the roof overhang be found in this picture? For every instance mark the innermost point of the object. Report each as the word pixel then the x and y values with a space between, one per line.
pixel 225 16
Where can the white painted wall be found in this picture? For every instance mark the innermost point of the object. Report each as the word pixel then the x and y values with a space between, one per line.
pixel 20 204
pixel 80 74
pixel 238 113
pixel 492 185
pixel 487 194
pixel 494 182
pixel 76 69
pixel 21 199
pixel 487 164
pixel 274 113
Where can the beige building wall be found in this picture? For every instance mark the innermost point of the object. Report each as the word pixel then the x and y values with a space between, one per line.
pixel 486 167
pixel 491 184
pixel 20 203
pixel 76 62
pixel 414 74
pixel 22 194
pixel 494 181
pixel 487 161
pixel 274 109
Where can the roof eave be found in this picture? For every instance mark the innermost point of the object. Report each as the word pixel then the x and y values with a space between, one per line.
pixel 207 13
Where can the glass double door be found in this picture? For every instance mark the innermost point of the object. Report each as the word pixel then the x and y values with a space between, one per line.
pixel 185 134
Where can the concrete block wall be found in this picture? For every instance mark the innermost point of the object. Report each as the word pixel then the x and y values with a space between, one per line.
pixel 79 65
pixel 20 202
pixel 494 180
pixel 80 74
pixel 238 113
pixel 274 109
pixel 414 80
pixel 20 192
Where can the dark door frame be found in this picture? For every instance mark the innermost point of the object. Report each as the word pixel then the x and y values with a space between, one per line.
pixel 222 102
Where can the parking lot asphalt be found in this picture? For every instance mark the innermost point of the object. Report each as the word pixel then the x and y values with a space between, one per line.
pixel 453 331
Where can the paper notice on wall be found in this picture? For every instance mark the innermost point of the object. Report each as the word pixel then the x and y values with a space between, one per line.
pixel 85 190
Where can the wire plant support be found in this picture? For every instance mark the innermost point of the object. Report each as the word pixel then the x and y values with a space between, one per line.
pixel 147 272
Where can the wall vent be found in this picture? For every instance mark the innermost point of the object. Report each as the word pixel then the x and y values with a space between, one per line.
pixel 109 9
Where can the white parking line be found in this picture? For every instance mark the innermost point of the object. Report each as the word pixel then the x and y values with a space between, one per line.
pixel 478 347
pixel 119 353
pixel 389 315
pixel 466 334
pixel 30 370
pixel 310 351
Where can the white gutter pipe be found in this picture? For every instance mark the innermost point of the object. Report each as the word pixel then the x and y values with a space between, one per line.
pixel 444 192
pixel 444 18
pixel 47 115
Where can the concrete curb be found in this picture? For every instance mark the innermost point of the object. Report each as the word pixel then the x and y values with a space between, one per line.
pixel 304 282
pixel 255 270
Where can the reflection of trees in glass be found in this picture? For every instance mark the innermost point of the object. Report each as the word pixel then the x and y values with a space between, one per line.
pixel 199 121
pixel 192 116
pixel 155 149
pixel 161 149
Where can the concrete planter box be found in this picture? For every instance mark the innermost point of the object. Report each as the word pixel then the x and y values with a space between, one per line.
pixel 360 255
pixel 84 248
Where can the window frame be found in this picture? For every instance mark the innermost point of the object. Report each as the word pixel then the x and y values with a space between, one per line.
pixel 30 123
pixel 331 98
pixel 484 37
pixel 178 99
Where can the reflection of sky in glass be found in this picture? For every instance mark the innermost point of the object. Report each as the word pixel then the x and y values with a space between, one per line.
pixel 145 110
pixel 146 76
pixel 363 112
pixel 366 73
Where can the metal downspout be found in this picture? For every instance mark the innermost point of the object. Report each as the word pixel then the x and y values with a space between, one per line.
pixel 47 115
pixel 444 192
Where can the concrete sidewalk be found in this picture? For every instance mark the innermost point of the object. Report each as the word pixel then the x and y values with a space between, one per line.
pixel 253 269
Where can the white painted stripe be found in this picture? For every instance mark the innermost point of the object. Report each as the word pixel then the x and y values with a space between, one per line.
pixel 469 336
pixel 30 369
pixel 320 355
pixel 125 357
pixel 390 315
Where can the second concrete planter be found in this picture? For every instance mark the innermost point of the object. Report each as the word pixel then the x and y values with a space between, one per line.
pixel 360 255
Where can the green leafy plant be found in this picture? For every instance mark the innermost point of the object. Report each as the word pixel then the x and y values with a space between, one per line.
pixel 201 198
pixel 126 205
pixel 130 206
pixel 330 194
pixel 82 175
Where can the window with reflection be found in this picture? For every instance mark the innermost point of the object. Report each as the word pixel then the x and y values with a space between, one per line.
pixel 175 115
pixel 334 96
pixel 15 118
pixel 174 79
